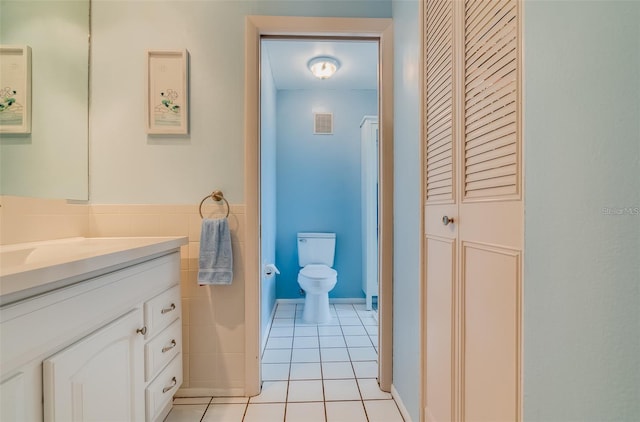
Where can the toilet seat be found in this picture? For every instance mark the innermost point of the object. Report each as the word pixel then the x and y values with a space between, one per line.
pixel 318 271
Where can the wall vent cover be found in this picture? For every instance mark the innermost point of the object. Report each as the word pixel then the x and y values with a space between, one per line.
pixel 323 123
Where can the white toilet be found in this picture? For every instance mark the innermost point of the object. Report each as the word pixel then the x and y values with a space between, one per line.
pixel 315 254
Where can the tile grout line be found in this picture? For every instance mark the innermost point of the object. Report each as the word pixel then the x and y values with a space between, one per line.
pixel 206 408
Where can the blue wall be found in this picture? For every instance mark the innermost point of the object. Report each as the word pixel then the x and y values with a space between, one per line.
pixel 268 188
pixel 406 226
pixel 318 178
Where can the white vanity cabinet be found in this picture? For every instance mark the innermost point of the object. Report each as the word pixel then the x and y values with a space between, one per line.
pixel 108 347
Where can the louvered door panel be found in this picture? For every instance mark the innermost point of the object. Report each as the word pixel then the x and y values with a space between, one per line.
pixel 490 144
pixel 439 101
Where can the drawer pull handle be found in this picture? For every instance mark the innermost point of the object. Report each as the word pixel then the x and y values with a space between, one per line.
pixel 167 348
pixel 174 381
pixel 169 309
pixel 142 330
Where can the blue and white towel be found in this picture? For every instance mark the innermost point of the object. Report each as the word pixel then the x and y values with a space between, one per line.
pixel 215 265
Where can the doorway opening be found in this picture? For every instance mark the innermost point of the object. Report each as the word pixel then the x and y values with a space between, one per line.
pixel 325 190
pixel 319 182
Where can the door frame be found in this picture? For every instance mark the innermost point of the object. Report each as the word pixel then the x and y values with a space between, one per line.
pixel 374 28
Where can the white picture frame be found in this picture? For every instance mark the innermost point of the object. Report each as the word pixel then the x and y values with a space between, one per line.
pixel 15 89
pixel 167 92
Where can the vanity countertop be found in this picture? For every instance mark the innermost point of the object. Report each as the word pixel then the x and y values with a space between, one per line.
pixel 29 269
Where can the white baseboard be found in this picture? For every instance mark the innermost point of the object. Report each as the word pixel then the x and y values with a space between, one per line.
pixel 331 300
pixel 401 406
pixel 265 334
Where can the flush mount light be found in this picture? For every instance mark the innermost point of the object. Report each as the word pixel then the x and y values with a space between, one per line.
pixel 323 67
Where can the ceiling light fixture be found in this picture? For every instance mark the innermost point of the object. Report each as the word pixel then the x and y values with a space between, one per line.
pixel 323 67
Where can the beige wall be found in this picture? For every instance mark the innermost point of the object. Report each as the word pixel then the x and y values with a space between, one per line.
pixel 213 316
pixel 32 219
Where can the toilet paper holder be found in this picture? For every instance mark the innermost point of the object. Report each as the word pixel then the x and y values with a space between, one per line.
pixel 270 270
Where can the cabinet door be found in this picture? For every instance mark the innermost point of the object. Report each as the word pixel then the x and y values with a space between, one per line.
pixel 99 378
pixel 12 395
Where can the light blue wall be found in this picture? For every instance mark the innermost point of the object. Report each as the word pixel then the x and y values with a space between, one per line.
pixel 318 178
pixel 406 265
pixel 582 265
pixel 179 169
pixel 267 188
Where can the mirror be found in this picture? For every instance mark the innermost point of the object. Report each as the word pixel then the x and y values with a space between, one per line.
pixel 53 160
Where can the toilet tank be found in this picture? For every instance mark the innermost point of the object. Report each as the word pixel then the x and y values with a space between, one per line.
pixel 316 248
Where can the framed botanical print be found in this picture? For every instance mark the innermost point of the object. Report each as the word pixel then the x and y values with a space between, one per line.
pixel 15 89
pixel 167 92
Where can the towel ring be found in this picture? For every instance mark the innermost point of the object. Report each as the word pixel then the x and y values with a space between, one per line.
pixel 216 196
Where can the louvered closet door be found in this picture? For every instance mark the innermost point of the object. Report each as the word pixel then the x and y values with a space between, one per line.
pixel 491 227
pixel 473 265
pixel 440 192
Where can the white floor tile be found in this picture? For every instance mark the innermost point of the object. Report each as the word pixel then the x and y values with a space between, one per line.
pixel 350 321
pixel 372 330
pixel 305 371
pixel 281 332
pixel 370 390
pixel 272 392
pixel 358 341
pixel 302 323
pixel 276 356
pixel 227 412
pixel 340 390
pixel 305 391
pixel 369 321
pixel 334 355
pixel 383 411
pixel 279 343
pixel 275 371
pixel 365 369
pixel 307 412
pixel 354 330
pixel 303 331
pixel 360 306
pixel 346 313
pixel 285 313
pixel 348 306
pixel 332 341
pixel 305 342
pixel 282 322
pixel 337 370
pixel 345 411
pixel 186 413
pixel 305 355
pixel 236 400
pixel 329 330
pixel 374 340
pixel 363 353
pixel 333 322
pixel 265 412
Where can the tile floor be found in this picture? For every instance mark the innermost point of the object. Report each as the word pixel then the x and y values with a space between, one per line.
pixel 310 373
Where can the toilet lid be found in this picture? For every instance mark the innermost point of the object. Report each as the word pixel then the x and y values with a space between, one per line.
pixel 318 271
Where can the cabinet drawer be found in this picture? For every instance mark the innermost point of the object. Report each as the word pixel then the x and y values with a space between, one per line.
pixel 162 310
pixel 161 390
pixel 162 349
